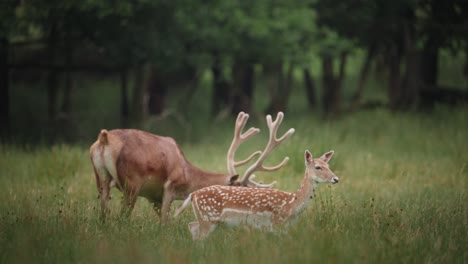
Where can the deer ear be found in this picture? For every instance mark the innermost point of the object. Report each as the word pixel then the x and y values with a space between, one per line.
pixel 308 157
pixel 233 179
pixel 327 156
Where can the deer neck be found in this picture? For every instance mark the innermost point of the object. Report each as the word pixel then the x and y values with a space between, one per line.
pixel 201 178
pixel 304 195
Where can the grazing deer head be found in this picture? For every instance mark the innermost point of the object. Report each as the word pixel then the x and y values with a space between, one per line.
pixel 258 207
pixel 142 164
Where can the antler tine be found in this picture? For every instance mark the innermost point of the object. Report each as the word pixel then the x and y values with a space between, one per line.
pixel 272 143
pixel 260 185
pixel 273 168
pixel 238 138
pixel 274 128
pixel 253 155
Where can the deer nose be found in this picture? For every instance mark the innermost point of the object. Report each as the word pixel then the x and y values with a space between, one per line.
pixel 335 180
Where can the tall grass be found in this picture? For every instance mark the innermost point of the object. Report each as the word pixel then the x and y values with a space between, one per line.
pixel 401 199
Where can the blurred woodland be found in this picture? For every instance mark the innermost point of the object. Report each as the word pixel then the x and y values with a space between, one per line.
pixel 157 48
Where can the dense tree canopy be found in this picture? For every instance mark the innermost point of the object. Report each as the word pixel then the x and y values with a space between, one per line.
pixel 165 43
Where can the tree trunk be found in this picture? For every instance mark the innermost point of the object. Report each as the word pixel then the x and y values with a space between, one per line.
pixel 66 103
pixel 394 78
pixel 157 88
pixel 341 73
pixel 331 84
pixel 465 66
pixel 287 88
pixel 248 84
pixel 52 82
pixel 64 122
pixel 191 86
pixel 356 99
pixel 309 85
pixel 439 14
pixel 403 93
pixel 281 94
pixel 221 89
pixel 4 90
pixel 124 121
pixel 429 62
pixel 411 82
pixel 138 103
pixel 243 75
pixel 328 82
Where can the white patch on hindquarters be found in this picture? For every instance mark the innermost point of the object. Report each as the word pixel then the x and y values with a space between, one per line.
pixel 109 164
pixel 100 167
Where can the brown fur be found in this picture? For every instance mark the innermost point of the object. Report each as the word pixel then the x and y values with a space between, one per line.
pixel 146 165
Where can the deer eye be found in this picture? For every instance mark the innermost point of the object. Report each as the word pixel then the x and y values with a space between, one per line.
pixel 318 167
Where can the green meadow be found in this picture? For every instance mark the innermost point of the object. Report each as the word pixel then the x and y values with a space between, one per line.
pixel 402 198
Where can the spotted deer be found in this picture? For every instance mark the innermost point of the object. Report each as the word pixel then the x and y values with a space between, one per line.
pixel 259 208
pixel 142 164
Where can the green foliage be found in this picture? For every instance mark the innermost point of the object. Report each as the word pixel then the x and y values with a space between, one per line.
pixel 401 198
pixel 368 22
pixel 173 33
pixel 259 31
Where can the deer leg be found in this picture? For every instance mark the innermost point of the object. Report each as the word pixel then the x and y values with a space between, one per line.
pixel 168 198
pixel 200 232
pixel 128 202
pixel 157 207
pixel 105 195
pixel 103 182
pixel 204 229
pixel 194 228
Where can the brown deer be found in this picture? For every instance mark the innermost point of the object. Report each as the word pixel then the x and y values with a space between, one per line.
pixel 260 208
pixel 142 164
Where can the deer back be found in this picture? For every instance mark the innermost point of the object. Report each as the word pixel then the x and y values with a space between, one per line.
pixel 234 204
pixel 131 156
pixel 145 162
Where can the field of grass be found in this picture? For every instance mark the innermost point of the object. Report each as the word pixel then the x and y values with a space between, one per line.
pixel 402 198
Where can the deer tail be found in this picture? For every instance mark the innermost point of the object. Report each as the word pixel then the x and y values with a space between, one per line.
pixel 183 206
pixel 102 138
